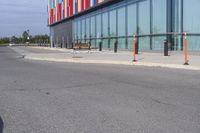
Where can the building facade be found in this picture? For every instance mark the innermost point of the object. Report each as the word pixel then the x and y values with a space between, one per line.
pixel 111 21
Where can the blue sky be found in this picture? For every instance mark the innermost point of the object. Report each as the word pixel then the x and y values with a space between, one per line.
pixel 17 16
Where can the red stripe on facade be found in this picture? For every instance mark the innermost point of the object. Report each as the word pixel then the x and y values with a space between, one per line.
pixel 71 7
pixel 54 16
pixel 51 17
pixel 59 11
pixel 86 4
pixel 67 11
pixel 82 5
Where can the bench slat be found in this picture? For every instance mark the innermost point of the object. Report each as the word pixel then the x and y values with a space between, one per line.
pixel 81 46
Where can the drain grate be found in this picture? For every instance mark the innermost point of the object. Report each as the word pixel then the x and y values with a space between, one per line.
pixel 77 57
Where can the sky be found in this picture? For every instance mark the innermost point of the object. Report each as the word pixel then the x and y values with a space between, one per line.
pixel 17 16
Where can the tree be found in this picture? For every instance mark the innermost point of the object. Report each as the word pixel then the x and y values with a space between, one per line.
pixel 25 36
pixel 14 39
pixel 4 40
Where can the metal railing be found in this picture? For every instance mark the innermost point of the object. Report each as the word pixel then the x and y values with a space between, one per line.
pixel 138 35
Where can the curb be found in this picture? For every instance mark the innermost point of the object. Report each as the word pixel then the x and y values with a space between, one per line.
pixel 172 66
pixel 54 49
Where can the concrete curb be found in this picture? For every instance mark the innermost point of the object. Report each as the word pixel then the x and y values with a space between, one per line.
pixel 54 49
pixel 172 66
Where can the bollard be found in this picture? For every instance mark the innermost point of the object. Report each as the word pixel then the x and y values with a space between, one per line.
pixel 100 46
pixel 134 48
pixel 115 46
pixel 90 45
pixel 166 49
pixel 185 50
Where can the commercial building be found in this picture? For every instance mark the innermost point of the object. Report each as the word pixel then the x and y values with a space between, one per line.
pixel 111 21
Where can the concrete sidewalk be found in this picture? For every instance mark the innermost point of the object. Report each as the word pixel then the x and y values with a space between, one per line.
pixel 156 59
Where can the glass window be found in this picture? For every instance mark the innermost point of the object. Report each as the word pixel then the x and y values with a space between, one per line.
pixel 191 16
pixel 83 29
pixel 131 23
pixel 105 24
pixel 98 26
pixel 159 23
pixel 144 24
pixel 121 27
pixel 74 30
pixel 93 32
pixel 79 29
pixel 105 29
pixel 93 27
pixel 131 19
pixel 177 26
pixel 191 22
pixel 193 43
pixel 113 18
pixel 112 27
pixel 159 16
pixel 87 29
pixel 144 17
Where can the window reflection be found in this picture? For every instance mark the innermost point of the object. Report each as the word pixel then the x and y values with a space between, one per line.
pixel 131 23
pixel 159 23
pixel 121 27
pixel 144 24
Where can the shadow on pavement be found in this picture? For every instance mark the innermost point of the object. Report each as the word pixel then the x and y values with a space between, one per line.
pixel 1 125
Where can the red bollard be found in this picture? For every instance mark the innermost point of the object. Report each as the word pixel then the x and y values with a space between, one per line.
pixel 134 48
pixel 185 50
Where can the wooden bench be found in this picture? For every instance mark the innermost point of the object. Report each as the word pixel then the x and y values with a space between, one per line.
pixel 80 46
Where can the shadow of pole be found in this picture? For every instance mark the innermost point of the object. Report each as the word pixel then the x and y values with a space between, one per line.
pixel 1 125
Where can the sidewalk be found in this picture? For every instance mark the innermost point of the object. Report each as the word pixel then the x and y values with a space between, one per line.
pixel 156 59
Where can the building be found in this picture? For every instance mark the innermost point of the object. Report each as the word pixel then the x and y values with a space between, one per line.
pixel 110 21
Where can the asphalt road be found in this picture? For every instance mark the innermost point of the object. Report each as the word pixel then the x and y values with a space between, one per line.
pixel 48 97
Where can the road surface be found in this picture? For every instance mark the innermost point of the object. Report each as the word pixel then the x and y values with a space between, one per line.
pixel 49 97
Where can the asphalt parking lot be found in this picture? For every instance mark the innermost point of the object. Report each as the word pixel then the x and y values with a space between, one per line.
pixel 50 97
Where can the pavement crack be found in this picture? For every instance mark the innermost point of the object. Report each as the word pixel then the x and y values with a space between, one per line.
pixel 160 102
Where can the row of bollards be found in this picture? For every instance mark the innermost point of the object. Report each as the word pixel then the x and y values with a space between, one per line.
pixel 166 49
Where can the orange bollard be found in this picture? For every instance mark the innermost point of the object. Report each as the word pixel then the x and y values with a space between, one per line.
pixel 134 48
pixel 185 50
